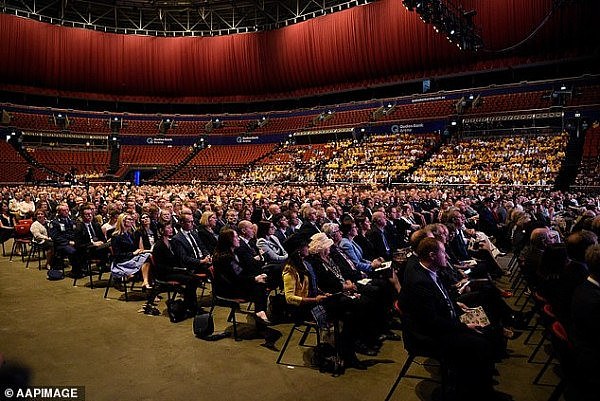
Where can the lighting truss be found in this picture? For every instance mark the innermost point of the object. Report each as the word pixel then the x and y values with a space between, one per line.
pixel 450 20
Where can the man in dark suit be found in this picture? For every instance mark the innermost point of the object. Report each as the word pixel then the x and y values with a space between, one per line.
pixel 231 220
pixel 430 312
pixel 310 226
pixel 585 330
pixel 248 253
pixel 282 225
pixel 90 241
pixel 382 241
pixel 331 215
pixel 488 219
pixel 62 232
pixel 574 273
pixel 458 249
pixel 189 249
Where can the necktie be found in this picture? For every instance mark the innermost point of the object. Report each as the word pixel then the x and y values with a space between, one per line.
pixel 461 246
pixel 91 231
pixel 194 244
pixel 252 250
pixel 446 297
pixel 385 243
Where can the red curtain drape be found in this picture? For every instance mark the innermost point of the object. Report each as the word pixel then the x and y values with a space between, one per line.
pixel 367 43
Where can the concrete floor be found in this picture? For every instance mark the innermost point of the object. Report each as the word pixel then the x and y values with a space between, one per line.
pixel 71 336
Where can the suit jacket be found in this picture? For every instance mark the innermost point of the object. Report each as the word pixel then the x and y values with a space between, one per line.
pixel 165 260
pixel 142 234
pixel 376 238
pixel 208 239
pixel 426 305
pixel 348 269
pixel 246 253
pixel 273 251
pixel 459 248
pixel 560 292
pixel 123 246
pixel 307 229
pixel 232 279
pixel 585 329
pixel 412 262
pixel 327 280
pixel 82 237
pixel 62 230
pixel 355 254
pixel 487 222
pixel 367 247
pixel 281 236
pixel 185 253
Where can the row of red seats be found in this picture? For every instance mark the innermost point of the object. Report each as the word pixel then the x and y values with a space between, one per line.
pixel 12 166
pixel 512 101
pixel 62 160
pixel 153 155
pixel 207 173
pixel 232 155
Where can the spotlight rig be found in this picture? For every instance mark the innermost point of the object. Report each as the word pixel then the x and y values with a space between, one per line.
pixel 450 20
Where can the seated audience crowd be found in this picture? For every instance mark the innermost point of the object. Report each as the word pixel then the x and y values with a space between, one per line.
pixel 363 256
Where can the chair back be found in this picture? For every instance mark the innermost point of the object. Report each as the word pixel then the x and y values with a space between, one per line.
pixel 211 275
pixel 563 349
pixel 549 312
pixel 22 230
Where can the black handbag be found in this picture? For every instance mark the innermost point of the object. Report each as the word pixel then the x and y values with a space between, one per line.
pixel 176 310
pixel 203 325
pixel 326 358
pixel 55 274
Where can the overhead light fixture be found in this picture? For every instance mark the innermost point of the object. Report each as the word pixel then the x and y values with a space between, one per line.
pixel 448 18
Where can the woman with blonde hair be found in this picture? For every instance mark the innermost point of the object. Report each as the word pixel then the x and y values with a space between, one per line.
pixel 207 230
pixel 128 257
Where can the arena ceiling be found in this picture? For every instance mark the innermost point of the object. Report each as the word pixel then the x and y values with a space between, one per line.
pixel 177 17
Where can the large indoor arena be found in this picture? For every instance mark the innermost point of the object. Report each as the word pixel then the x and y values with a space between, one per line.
pixel 370 200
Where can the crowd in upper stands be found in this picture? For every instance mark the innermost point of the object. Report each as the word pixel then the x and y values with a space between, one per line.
pixel 379 158
pixel 505 160
pixel 374 160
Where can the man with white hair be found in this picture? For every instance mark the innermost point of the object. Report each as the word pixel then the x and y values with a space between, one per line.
pixel 383 243
pixel 331 215
pixel 248 253
pixel 310 226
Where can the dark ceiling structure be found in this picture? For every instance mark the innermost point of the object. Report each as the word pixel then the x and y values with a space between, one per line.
pixel 176 17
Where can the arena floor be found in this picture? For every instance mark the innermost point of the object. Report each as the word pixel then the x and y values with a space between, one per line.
pixel 71 336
